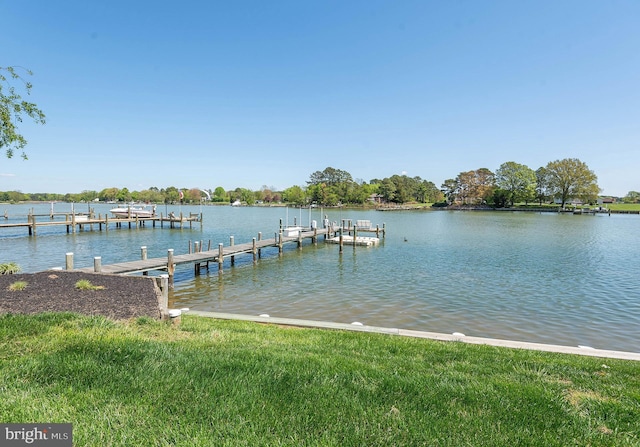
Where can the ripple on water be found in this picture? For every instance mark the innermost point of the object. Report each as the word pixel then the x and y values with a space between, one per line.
pixel 550 278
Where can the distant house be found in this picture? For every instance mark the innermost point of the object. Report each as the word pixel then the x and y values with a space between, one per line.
pixel 606 200
pixel 376 198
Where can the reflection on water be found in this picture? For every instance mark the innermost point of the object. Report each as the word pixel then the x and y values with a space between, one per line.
pixel 546 277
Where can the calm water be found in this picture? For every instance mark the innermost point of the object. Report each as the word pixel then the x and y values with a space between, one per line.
pixel 549 278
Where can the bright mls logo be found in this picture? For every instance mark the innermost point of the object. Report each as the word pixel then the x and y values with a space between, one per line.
pixel 46 435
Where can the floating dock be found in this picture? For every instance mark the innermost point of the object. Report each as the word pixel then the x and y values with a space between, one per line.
pixel 359 240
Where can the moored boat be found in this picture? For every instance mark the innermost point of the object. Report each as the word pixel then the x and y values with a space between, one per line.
pixel 124 212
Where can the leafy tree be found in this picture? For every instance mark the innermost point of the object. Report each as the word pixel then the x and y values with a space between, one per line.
pixel 571 178
pixel 331 186
pixel 171 195
pixel 14 196
pixel 500 198
pixel 428 192
pixel 517 180
pixel 219 195
pixel 123 195
pixel 193 195
pixel 542 194
pixel 632 197
pixel 267 194
pixel 295 195
pixel 475 186
pixel 108 194
pixel 151 195
pixel 387 189
pixel 88 196
pixel 246 196
pixel 13 108
pixel 450 189
pixel 330 176
pixel 360 193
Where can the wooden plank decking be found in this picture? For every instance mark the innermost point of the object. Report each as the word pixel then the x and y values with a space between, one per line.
pixel 82 222
pixel 217 255
pixel 201 257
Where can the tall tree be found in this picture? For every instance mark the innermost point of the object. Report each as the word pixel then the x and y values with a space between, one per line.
pixel 13 108
pixel 330 186
pixel 219 194
pixel 517 180
pixel 330 176
pixel 542 194
pixel 388 190
pixel 571 178
pixel 450 190
pixel 475 186
pixel 295 195
pixel 632 197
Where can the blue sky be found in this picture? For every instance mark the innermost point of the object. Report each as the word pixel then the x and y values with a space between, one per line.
pixel 251 93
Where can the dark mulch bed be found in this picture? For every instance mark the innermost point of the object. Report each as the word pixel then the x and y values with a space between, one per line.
pixel 123 297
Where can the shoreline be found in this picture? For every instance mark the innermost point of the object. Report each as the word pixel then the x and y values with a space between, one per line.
pixel 455 337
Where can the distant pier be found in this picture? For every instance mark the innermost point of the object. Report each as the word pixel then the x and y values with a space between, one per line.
pixel 83 222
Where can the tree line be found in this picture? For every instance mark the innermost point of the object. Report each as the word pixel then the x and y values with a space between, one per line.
pixel 559 181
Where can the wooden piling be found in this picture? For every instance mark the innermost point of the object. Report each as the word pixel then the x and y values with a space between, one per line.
pixel 171 267
pixel 97 264
pixel 164 287
pixel 231 242
pixel 254 251
pixel 69 261
pixel 220 257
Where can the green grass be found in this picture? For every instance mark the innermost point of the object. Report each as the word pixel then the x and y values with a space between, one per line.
pixel 624 206
pixel 85 284
pixel 9 268
pixel 18 286
pixel 229 383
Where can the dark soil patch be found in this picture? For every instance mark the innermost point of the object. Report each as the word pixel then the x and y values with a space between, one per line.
pixel 122 297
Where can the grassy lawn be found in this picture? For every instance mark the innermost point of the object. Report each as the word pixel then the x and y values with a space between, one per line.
pixel 216 383
pixel 624 206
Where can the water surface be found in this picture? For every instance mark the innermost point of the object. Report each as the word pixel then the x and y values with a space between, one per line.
pixel 539 277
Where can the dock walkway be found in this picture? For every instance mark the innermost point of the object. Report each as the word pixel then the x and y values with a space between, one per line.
pixel 81 222
pixel 202 258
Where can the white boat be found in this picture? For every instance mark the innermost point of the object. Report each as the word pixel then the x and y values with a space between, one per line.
pixel 292 231
pixel 236 203
pixel 124 212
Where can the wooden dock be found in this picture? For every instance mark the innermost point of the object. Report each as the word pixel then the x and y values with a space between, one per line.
pixel 83 222
pixel 201 258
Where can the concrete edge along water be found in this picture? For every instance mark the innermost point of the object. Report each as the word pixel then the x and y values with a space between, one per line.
pixel 579 350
